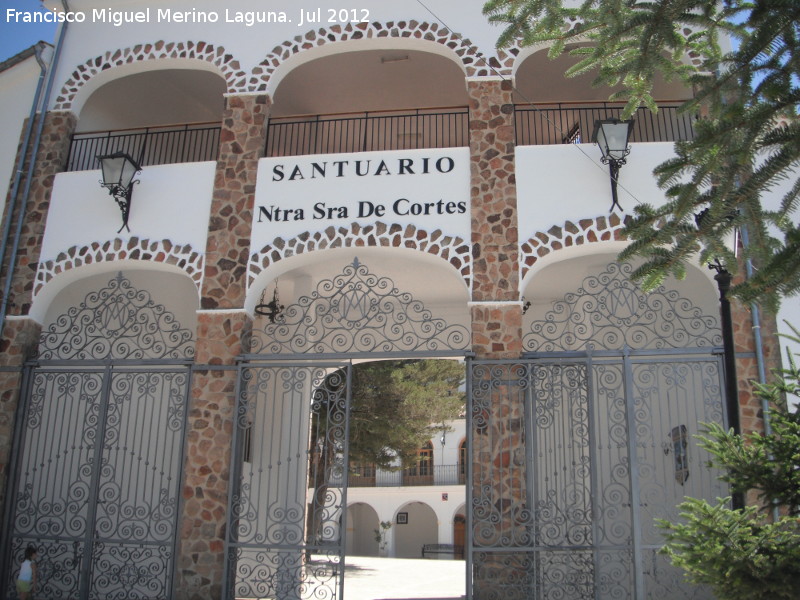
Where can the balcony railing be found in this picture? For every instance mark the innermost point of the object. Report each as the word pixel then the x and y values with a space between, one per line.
pixel 148 145
pixel 398 130
pixel 438 475
pixel 542 124
pixel 364 132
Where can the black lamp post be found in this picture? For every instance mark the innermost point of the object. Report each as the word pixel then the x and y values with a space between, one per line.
pixel 723 279
pixel 612 136
pixel 118 171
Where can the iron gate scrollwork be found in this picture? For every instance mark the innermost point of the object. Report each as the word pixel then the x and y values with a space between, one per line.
pixel 358 312
pixel 285 530
pixel 592 440
pixel 99 455
pixel 288 491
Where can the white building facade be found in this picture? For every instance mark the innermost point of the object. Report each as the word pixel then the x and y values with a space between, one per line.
pixel 402 190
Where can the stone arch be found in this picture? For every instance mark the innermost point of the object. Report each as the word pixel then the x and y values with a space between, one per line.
pixel 183 257
pixel 216 55
pixel 507 59
pixel 471 59
pixel 584 231
pixel 453 249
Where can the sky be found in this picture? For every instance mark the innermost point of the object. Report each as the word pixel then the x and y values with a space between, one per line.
pixel 15 37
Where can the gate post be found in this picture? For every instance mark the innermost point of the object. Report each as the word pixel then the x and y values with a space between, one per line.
pixel 18 343
pixel 496 311
pixel 222 326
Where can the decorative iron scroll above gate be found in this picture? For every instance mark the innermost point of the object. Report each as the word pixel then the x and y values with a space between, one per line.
pixel 611 313
pixel 116 322
pixel 358 311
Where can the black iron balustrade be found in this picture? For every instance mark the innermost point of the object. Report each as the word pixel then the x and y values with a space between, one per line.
pixel 368 476
pixel 147 145
pixel 365 132
pixel 565 123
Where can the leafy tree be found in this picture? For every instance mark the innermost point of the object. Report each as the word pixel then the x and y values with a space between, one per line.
pixel 742 554
pixel 397 406
pixel 747 143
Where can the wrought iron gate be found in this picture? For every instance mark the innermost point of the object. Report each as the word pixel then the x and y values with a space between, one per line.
pixel 285 534
pixel 98 450
pixel 597 449
pixel 288 503
pixel 579 447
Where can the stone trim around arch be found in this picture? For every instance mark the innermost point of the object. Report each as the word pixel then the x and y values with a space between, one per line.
pixel 453 249
pixel 471 58
pixel 585 231
pixel 162 251
pixel 229 68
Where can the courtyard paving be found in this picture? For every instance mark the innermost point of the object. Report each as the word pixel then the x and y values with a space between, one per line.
pixel 403 579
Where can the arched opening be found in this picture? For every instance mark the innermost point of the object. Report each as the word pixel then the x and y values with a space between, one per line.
pixel 459 533
pixel 429 279
pixel 556 277
pixel 554 109
pixel 167 287
pixel 462 461
pixel 160 116
pixel 370 80
pixel 372 100
pixel 363 529
pixel 416 526
pixel 154 99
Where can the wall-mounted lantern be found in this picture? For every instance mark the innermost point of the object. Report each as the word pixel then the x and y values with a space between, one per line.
pixel 118 171
pixel 612 135
pixel 272 310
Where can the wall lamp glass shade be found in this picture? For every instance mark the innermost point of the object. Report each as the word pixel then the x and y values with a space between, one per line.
pixel 613 135
pixel 118 172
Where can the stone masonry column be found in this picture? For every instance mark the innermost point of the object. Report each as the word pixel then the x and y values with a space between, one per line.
pixel 20 334
pixel 50 160
pixel 496 311
pixel 222 327
pixel 20 337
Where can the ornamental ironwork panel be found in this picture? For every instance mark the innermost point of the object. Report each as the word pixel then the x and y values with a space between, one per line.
pixel 573 463
pixel 118 321
pixel 99 481
pixel 358 311
pixel 611 313
pixel 285 534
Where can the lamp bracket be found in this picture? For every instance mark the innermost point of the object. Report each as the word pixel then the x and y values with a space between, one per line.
pixel 122 196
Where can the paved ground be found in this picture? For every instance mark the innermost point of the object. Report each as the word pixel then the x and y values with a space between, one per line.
pixel 402 579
